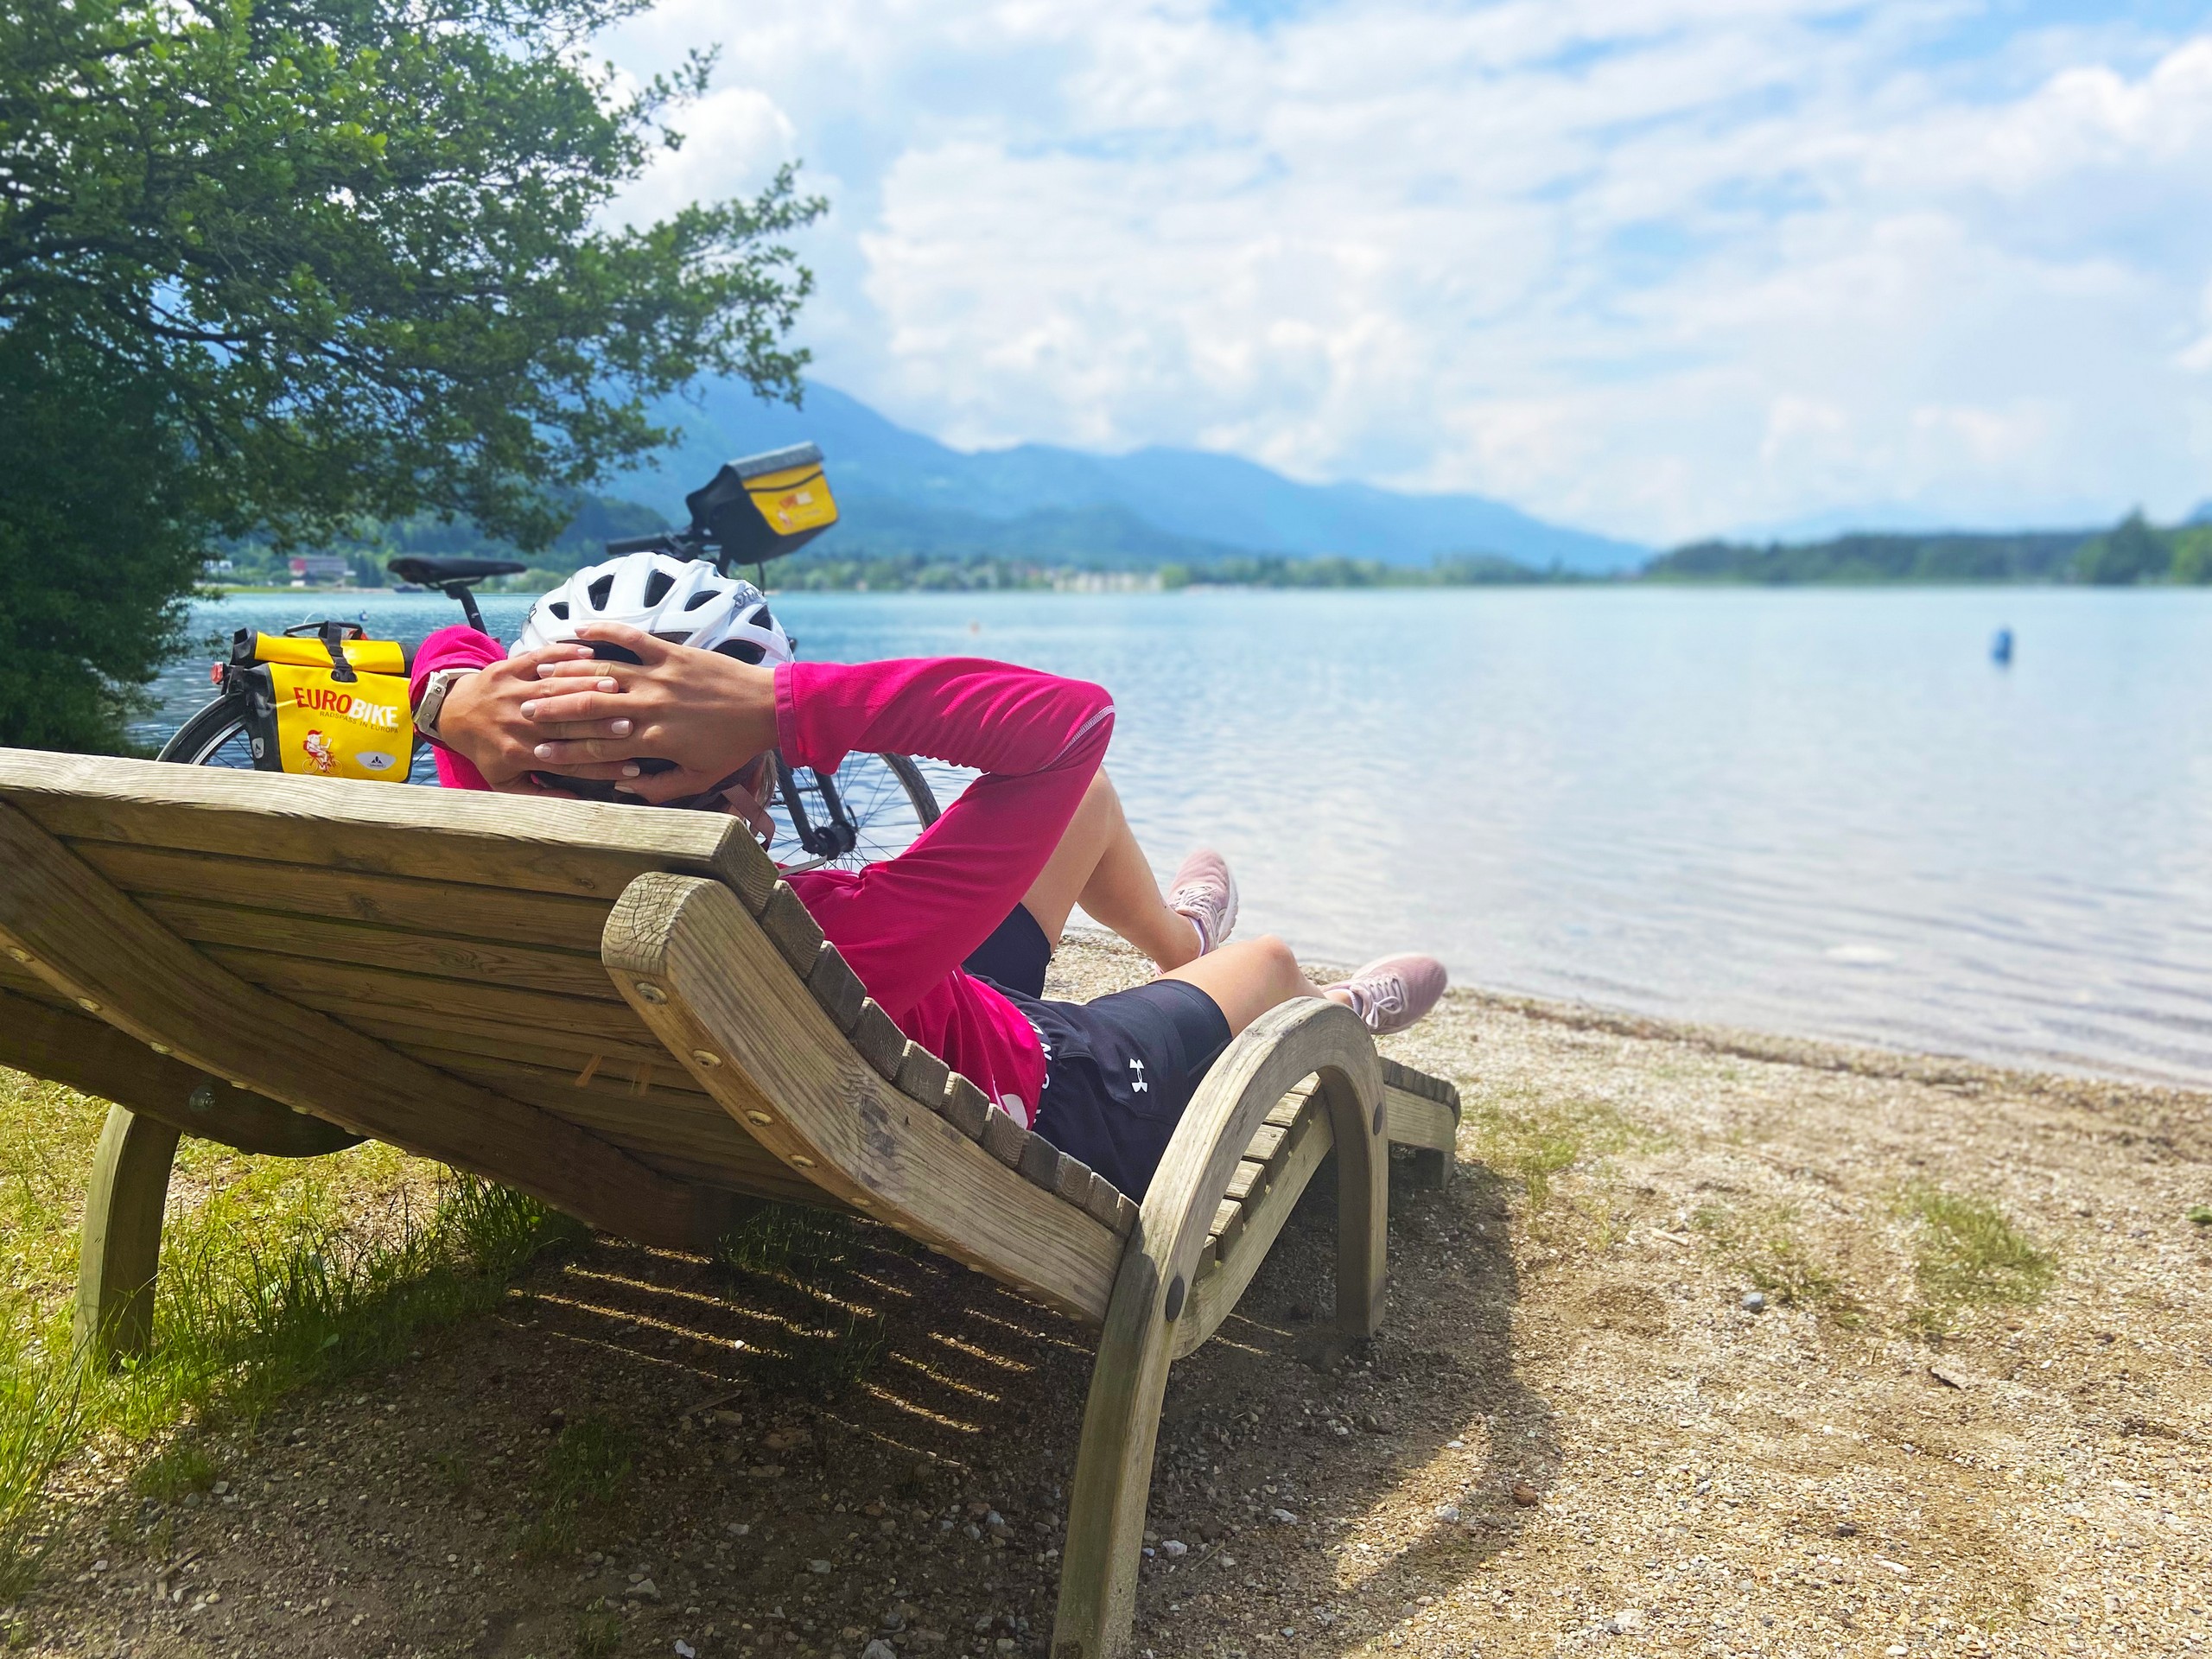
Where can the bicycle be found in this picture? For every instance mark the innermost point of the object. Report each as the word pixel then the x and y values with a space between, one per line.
pixel 761 507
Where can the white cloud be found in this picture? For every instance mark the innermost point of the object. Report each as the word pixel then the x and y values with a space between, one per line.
pixel 1658 267
pixel 732 136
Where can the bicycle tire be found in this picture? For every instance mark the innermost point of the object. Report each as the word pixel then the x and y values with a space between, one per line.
pixel 886 796
pixel 213 736
pixel 917 787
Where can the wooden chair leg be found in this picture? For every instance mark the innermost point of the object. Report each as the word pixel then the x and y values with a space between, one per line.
pixel 1432 1169
pixel 1113 1469
pixel 122 1246
pixel 1121 1423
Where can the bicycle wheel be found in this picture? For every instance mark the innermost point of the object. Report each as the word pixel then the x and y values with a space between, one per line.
pixel 872 808
pixel 215 736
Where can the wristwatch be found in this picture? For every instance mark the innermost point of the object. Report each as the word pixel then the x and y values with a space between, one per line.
pixel 434 700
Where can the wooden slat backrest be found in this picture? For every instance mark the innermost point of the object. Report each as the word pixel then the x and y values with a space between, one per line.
pixel 580 849
pixel 462 931
pixel 350 917
pixel 63 921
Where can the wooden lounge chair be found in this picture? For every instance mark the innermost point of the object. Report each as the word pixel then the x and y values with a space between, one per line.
pixel 625 1013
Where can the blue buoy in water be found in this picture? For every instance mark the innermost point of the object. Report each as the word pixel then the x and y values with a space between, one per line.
pixel 2000 648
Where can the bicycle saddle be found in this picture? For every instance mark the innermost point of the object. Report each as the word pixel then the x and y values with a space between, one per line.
pixel 437 573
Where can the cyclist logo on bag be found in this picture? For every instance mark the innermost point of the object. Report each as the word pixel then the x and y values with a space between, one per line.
pixel 321 756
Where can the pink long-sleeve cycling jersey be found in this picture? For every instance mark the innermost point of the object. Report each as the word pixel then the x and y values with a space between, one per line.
pixel 906 925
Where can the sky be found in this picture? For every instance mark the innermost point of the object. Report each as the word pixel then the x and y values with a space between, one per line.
pixel 1658 267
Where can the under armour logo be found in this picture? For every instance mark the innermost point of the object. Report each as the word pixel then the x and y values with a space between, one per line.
pixel 1139 1085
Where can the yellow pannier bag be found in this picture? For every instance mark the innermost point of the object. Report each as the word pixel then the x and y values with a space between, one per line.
pixel 370 656
pixel 365 729
pixel 310 718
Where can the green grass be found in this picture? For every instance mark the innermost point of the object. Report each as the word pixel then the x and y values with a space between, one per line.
pixel 823 1362
pixel 42 1421
pixel 1530 1138
pixel 1967 1254
pixel 182 1466
pixel 598 1631
pixel 276 1275
pixel 814 1259
pixel 2200 1214
pixel 1768 1250
pixel 586 1470
pixel 806 1249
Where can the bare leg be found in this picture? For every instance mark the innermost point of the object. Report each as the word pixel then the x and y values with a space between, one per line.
pixel 1099 866
pixel 1247 978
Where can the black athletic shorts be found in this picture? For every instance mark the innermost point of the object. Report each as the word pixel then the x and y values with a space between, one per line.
pixel 1119 1069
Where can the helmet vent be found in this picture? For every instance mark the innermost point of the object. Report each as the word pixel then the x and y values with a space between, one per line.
pixel 657 587
pixel 704 596
pixel 558 608
pixel 601 591
pixel 744 650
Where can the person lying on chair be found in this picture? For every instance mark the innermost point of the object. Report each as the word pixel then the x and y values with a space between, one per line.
pixel 951 938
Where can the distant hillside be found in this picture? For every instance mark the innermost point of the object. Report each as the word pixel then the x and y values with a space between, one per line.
pixel 2024 555
pixel 2130 552
pixel 872 525
pixel 904 493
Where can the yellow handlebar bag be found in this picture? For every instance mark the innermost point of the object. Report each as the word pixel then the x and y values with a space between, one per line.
pixel 327 727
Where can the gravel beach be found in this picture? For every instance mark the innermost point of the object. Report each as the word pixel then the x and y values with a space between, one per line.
pixel 1717 1344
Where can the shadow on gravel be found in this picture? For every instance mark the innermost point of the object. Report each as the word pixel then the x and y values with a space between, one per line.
pixel 1391 1514
pixel 640 1449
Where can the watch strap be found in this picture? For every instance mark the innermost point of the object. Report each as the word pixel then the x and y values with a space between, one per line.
pixel 434 699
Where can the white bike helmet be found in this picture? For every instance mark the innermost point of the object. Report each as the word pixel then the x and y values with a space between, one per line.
pixel 684 602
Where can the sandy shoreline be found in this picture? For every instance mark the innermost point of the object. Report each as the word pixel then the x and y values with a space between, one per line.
pixel 1864 1468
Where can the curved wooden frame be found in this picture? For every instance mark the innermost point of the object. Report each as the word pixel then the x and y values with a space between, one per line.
pixel 1152 1293
pixel 710 982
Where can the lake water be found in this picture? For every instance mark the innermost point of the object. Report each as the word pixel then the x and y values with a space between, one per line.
pixel 1813 812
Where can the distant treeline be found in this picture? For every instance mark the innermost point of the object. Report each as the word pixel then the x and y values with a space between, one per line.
pixel 815 572
pixel 818 572
pixel 2132 551
pixel 1273 570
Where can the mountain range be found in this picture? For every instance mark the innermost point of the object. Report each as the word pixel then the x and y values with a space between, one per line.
pixel 900 492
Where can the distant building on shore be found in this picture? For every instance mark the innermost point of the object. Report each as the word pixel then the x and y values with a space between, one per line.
pixel 310 569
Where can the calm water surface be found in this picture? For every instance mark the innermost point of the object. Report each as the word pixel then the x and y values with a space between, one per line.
pixel 1811 811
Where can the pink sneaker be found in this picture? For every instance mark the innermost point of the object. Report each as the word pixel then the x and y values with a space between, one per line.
pixel 1205 893
pixel 1390 992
